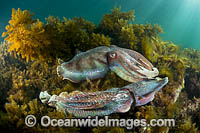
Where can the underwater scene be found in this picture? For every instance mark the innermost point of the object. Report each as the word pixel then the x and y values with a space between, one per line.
pixel 108 66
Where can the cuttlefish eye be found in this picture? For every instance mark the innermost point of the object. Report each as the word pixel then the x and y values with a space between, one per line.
pixel 113 55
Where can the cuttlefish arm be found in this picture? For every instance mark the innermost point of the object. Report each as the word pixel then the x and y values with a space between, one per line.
pixel 130 65
pixel 139 101
pixel 137 56
pixel 91 64
pixel 145 90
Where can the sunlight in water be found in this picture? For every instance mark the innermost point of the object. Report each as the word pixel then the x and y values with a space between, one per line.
pixel 193 1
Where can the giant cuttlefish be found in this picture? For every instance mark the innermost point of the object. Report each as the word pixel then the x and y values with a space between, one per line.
pixel 95 63
pixel 101 103
pixel 91 64
pixel 130 65
pixel 145 90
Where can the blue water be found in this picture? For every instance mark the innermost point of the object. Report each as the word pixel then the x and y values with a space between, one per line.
pixel 179 18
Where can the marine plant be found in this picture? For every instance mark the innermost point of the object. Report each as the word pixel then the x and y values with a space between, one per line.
pixel 192 83
pixel 42 43
pixel 33 39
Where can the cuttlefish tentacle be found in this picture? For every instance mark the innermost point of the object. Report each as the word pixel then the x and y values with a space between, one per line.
pixel 120 67
pixel 144 91
pixel 137 56
pixel 123 61
pixel 91 64
pixel 130 66
pixel 122 71
pixel 136 59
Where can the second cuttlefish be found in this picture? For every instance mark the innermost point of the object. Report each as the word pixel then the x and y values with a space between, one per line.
pixel 101 103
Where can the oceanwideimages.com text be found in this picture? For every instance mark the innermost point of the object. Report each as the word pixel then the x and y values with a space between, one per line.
pixel 46 121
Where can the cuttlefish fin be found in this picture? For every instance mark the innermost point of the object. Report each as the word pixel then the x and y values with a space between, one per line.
pixel 142 100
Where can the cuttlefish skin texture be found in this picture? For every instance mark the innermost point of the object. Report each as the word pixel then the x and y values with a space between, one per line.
pixel 101 103
pixel 95 63
pixel 144 91
pixel 91 64
pixel 82 104
pixel 130 65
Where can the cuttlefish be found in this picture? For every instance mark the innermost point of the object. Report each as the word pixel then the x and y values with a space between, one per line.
pixel 91 64
pixel 145 90
pixel 101 103
pixel 82 104
pixel 130 65
pixel 95 63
